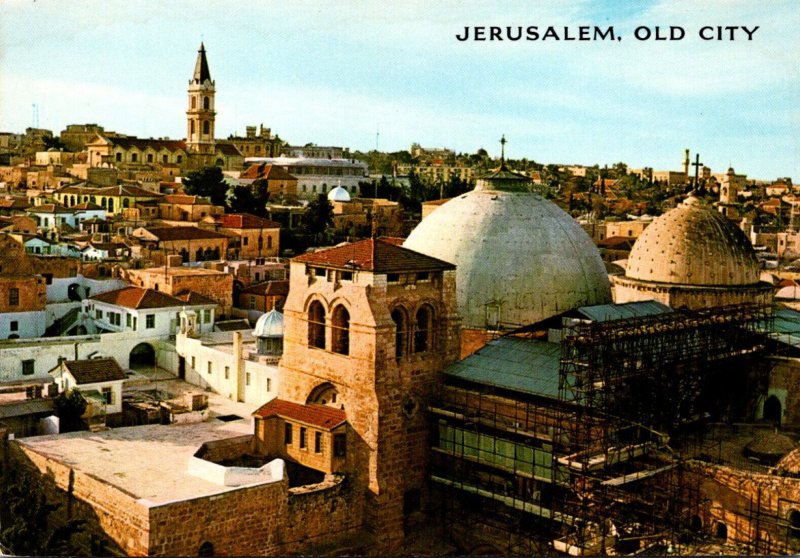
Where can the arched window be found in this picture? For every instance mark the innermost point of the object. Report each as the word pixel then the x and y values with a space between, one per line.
pixel 324 394
pixel 206 103
pixel 341 330
pixel 400 318
pixel 206 127
pixel 206 549
pixel 184 255
pixel 260 243
pixel 72 200
pixel 220 163
pixel 423 333
pixel 316 325
pixel 198 256
pixel 191 127
pixel 208 255
pixel 269 242
pixel 194 102
pixel 126 202
pixel 110 205
pixel 215 253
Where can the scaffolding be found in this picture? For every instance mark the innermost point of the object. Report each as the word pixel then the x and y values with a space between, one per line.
pixel 594 468
pixel 632 385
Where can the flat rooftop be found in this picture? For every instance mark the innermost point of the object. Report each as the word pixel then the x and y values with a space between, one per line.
pixel 150 463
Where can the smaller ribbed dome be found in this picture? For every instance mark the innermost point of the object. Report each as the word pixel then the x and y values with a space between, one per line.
pixel 339 194
pixel 269 325
pixel 693 245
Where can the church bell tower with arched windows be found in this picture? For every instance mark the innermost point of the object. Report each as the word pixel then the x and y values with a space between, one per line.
pixel 368 328
pixel 201 114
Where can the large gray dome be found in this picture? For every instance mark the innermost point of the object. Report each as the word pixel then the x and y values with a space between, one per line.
pixel 520 258
pixel 693 245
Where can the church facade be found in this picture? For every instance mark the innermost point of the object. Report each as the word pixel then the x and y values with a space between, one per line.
pixel 200 149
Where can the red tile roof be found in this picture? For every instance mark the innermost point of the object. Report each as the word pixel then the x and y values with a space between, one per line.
pixel 228 149
pixel 320 416
pixel 157 145
pixel 139 298
pixel 377 255
pixel 95 370
pixel 245 221
pixel 267 171
pixel 193 298
pixel 49 208
pixel 183 233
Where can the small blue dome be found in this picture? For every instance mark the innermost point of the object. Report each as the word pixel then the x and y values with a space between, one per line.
pixel 269 325
pixel 339 194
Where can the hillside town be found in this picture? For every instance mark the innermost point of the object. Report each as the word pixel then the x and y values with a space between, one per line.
pixel 245 346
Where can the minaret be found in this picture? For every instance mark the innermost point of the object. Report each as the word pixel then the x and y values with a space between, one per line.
pixel 200 115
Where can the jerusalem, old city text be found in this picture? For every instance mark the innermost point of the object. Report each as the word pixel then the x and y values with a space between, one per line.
pixel 536 33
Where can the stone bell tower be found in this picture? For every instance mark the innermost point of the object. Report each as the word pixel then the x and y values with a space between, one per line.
pixel 200 115
pixel 368 328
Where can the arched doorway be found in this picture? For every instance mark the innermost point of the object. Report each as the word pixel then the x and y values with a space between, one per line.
pixel 772 409
pixel 721 532
pixel 143 356
pixel 206 549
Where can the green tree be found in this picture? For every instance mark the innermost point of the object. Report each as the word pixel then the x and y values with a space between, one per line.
pixel 250 199
pixel 318 218
pixel 243 200
pixel 70 406
pixel 24 519
pixel 209 183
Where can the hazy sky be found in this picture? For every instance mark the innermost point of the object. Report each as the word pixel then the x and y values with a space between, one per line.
pixel 335 72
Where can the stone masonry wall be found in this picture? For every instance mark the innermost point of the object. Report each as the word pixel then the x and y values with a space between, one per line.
pixel 754 507
pixel 244 522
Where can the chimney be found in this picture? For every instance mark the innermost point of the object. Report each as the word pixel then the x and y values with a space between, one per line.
pixel 238 365
pixel 174 260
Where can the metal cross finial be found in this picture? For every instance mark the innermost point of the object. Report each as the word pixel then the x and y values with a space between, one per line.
pixel 503 149
pixel 696 166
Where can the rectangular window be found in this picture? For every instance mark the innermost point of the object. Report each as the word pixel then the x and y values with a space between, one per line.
pixel 134 323
pixel 98 314
pixel 13 296
pixel 193 366
pixel 118 157
pixel 247 378
pixel 339 445
pixel 347 275
pixel 269 385
pixel 209 367
pixel 207 316
pixel 27 367
pixel 245 240
pixel 317 442
pixel 252 303
pixel 150 321
pixel 127 320
pixel 134 157
pixel 303 437
pixel 422 276
pixel 392 277
pixel 108 395
pixel 287 434
pixel 149 157
pixel 14 326
pixel 227 372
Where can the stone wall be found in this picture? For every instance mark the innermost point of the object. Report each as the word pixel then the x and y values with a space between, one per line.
pixel 244 522
pixel 784 383
pixel 325 517
pixel 754 508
